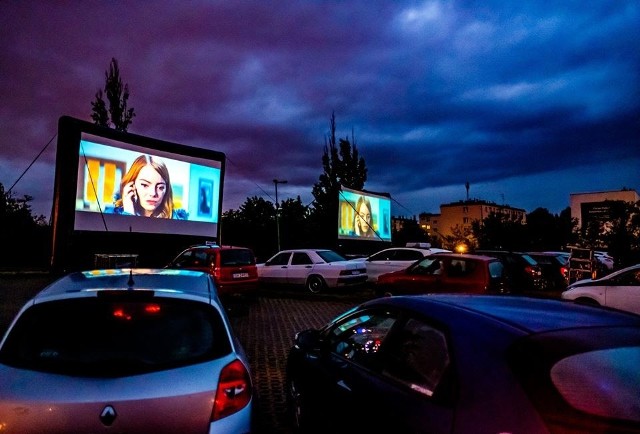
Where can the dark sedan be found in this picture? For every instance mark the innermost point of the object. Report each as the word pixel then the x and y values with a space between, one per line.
pixel 453 363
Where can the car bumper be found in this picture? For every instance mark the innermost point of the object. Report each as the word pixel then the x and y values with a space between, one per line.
pixel 351 280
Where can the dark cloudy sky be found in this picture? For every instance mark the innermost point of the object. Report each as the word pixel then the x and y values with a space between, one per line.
pixel 528 101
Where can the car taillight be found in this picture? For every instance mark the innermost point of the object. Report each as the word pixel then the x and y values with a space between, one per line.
pixel 533 271
pixel 234 390
pixel 216 273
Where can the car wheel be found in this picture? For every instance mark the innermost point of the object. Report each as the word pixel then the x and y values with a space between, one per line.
pixel 587 301
pixel 315 284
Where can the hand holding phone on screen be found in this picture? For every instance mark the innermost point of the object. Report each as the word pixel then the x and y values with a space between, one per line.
pixel 129 198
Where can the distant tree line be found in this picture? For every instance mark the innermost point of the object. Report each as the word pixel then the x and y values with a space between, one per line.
pixel 26 239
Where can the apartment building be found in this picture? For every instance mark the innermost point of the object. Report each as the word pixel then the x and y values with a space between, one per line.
pixel 463 213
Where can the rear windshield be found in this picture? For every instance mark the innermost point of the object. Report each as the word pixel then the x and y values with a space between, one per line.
pixel 603 383
pixel 103 338
pixel 330 256
pixel 583 377
pixel 236 257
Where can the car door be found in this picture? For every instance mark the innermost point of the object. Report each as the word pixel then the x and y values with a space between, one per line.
pixel 194 259
pixel 275 269
pixel 463 275
pixel 300 267
pixel 385 371
pixel 623 291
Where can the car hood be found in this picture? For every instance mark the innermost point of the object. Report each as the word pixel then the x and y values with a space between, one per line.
pixel 581 282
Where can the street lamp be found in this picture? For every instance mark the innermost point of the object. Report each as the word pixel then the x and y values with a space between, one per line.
pixel 276 182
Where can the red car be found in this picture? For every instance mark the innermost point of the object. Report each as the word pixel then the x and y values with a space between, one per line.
pixel 446 272
pixel 233 268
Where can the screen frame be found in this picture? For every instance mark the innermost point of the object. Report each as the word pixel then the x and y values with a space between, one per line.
pixel 71 132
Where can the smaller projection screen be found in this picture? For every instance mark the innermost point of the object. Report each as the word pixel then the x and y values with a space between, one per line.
pixel 363 216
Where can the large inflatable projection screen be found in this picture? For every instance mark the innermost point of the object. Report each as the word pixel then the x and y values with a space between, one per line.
pixel 185 186
pixel 364 216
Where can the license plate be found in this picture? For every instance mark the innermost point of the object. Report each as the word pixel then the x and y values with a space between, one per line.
pixel 240 275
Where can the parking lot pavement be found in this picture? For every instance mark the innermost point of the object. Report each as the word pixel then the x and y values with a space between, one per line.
pixel 266 332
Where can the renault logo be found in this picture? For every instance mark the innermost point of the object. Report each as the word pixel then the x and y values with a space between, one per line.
pixel 108 415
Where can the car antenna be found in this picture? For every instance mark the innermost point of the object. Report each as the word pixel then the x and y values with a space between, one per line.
pixel 130 283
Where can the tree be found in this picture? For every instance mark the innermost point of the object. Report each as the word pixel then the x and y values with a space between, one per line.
pixel 342 166
pixel 252 225
pixel 620 234
pixel 546 231
pixel 294 228
pixel 501 232
pixel 25 237
pixel 460 236
pixel 410 231
pixel 117 115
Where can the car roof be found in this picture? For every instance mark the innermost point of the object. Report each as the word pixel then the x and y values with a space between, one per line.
pixel 194 283
pixel 527 314
pixel 304 250
pixel 216 247
pixel 412 249
pixel 463 255
pixel 508 252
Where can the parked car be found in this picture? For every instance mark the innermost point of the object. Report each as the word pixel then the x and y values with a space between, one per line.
pixel 395 258
pixel 522 271
pixel 233 268
pixel 620 290
pixel 554 269
pixel 452 363
pixel 564 256
pixel 124 350
pixel 606 261
pixel 315 269
pixel 445 272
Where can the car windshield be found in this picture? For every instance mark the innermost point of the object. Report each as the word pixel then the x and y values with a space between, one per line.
pixel 330 256
pixel 101 338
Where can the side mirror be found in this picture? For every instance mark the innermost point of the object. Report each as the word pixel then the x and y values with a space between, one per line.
pixel 308 339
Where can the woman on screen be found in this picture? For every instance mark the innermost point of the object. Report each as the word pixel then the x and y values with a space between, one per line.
pixel 362 220
pixel 145 190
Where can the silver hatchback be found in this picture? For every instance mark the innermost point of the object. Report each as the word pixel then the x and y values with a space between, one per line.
pixel 136 351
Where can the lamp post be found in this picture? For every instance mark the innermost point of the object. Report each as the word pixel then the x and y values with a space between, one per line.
pixel 276 182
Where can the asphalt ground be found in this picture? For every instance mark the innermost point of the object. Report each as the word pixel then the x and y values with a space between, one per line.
pixel 265 326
